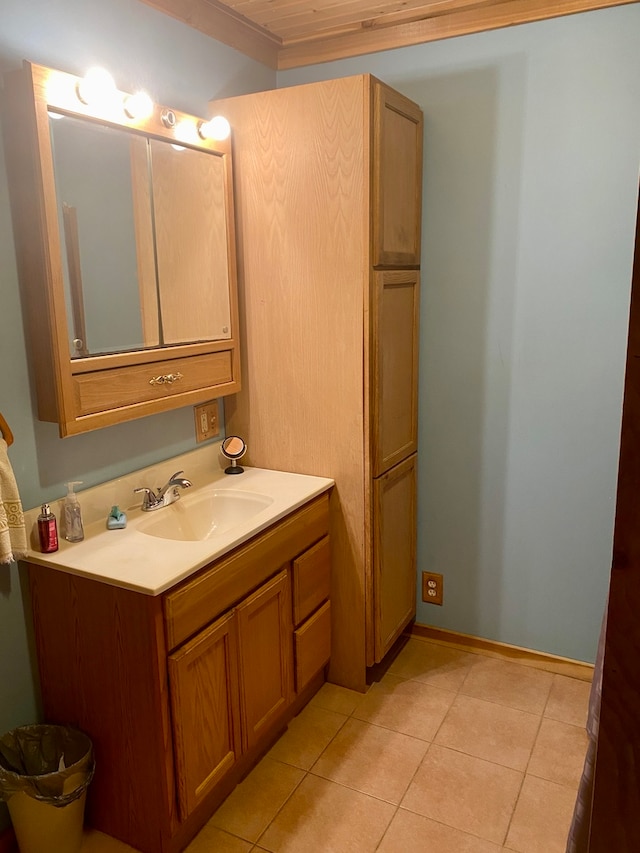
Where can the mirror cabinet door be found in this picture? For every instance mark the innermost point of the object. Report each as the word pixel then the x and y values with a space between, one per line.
pixel 192 236
pixel 100 252
pixel 145 239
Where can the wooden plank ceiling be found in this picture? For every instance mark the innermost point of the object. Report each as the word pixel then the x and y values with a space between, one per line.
pixel 290 33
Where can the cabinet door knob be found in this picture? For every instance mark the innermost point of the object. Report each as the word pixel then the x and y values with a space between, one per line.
pixel 165 379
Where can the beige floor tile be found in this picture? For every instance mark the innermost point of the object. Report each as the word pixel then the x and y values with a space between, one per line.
pixel 568 700
pixel 332 697
pixel 97 842
pixel 465 792
pixel 510 684
pixel 307 736
pixel 412 833
pixel 324 816
pixel 410 707
pixel 372 760
pixel 542 817
pixel 210 839
pixel 493 732
pixel 432 664
pixel 250 808
pixel 559 751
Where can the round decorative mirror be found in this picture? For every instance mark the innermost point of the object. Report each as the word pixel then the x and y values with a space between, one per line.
pixel 233 448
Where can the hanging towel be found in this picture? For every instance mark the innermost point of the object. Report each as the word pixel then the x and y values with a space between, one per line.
pixel 13 535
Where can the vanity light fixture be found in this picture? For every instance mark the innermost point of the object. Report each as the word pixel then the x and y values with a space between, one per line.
pixel 96 87
pixel 168 119
pixel 96 95
pixel 138 106
pixel 217 128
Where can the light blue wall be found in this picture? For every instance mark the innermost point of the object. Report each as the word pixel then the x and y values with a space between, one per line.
pixel 183 69
pixel 532 148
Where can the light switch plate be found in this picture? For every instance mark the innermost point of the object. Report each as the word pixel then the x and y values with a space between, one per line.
pixel 206 420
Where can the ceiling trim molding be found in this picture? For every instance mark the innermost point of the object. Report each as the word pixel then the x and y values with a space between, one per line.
pixel 457 23
pixel 223 24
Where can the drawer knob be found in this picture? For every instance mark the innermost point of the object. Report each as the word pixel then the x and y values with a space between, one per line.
pixel 165 379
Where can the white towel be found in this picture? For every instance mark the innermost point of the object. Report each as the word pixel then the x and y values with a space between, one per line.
pixel 13 535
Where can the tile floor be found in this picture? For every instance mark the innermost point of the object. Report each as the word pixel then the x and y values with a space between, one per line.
pixel 450 752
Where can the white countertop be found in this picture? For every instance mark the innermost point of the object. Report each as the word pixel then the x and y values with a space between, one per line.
pixel 134 560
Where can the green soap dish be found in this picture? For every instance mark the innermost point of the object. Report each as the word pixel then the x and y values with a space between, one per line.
pixel 116 519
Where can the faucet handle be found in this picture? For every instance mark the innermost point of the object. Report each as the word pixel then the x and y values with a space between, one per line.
pixel 149 495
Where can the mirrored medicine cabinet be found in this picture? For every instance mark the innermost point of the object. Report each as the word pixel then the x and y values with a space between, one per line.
pixel 125 239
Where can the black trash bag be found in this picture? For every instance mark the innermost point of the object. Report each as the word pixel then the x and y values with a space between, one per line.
pixel 40 759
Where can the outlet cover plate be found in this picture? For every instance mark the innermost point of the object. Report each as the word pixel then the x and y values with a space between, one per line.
pixel 432 588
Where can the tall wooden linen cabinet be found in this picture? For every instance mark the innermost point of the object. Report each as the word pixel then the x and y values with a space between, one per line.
pixel 328 180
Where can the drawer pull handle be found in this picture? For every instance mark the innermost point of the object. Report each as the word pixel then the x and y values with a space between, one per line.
pixel 165 379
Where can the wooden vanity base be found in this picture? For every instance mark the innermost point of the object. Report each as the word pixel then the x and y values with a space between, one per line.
pixel 177 723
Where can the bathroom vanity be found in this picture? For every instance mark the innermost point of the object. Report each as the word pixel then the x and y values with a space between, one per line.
pixel 184 676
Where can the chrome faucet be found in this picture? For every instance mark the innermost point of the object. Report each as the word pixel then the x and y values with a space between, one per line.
pixel 165 495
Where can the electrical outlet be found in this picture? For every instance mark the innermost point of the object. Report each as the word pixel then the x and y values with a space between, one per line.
pixel 206 418
pixel 432 587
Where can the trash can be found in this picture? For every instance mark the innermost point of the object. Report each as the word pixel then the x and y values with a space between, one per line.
pixel 44 774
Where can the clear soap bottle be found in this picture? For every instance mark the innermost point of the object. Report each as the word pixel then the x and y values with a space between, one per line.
pixel 72 515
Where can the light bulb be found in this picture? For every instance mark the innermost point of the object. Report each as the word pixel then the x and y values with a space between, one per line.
pixel 185 131
pixel 96 86
pixel 138 106
pixel 217 128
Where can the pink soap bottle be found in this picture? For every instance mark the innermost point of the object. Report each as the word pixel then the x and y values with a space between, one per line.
pixel 47 530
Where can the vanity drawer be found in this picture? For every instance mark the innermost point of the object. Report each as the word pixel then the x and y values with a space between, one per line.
pixel 312 645
pixel 100 390
pixel 198 601
pixel 311 580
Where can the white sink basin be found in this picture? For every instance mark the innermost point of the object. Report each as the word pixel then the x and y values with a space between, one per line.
pixel 203 516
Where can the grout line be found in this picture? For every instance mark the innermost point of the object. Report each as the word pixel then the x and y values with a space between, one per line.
pixel 449 826
pixel 382 837
pixel 306 771
pixel 294 789
pixel 524 774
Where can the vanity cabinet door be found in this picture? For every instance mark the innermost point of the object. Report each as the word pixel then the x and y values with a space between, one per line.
pixel 397 179
pixel 394 554
pixel 203 677
pixel 265 644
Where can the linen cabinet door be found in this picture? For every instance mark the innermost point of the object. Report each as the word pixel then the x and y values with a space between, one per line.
pixel 265 643
pixel 394 554
pixel 394 371
pixel 396 211
pixel 203 679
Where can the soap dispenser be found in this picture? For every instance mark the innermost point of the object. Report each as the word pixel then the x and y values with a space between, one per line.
pixel 72 515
